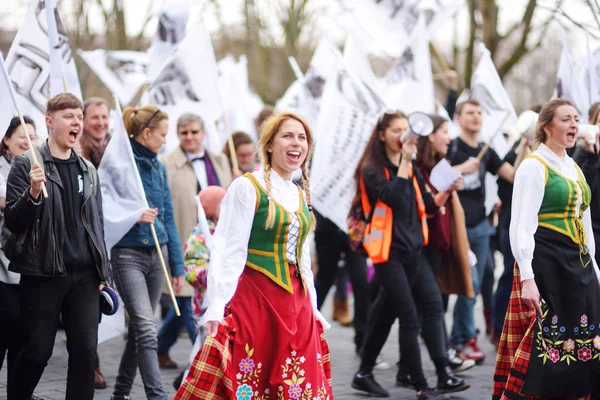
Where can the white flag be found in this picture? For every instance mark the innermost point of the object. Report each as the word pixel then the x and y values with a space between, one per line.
pixel 123 197
pixel 569 85
pixel 188 82
pixel 172 20
pixel 384 25
pixel 349 112
pixel 409 83
pixel 57 84
pixel 304 95
pixel 438 12
pixel 239 101
pixel 28 64
pixel 123 72
pixel 487 88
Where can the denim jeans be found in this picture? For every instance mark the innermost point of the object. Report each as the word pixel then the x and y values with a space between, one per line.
pixel 463 327
pixel 504 288
pixel 41 300
pixel 139 279
pixel 172 324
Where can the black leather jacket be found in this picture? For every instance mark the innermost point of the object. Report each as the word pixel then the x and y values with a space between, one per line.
pixel 35 231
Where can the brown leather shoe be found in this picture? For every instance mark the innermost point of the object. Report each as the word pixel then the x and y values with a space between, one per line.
pixel 99 381
pixel 165 362
pixel 341 312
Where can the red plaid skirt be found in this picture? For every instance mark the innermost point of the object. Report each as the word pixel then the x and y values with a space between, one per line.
pixel 516 343
pixel 269 346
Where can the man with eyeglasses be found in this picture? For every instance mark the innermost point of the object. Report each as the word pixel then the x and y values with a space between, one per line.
pixel 190 168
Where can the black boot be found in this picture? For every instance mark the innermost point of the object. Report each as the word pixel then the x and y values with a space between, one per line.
pixel 448 383
pixel 402 378
pixel 366 383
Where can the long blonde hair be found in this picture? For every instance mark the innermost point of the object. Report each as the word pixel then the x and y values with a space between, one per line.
pixel 268 131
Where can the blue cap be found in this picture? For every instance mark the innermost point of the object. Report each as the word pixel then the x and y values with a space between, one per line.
pixel 109 301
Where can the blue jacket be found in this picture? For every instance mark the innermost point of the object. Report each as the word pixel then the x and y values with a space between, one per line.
pixel 154 180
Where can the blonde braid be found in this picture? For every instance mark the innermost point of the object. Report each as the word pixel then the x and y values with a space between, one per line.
pixel 270 222
pixel 306 184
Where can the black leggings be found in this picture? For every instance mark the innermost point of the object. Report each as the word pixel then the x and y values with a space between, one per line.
pixel 395 300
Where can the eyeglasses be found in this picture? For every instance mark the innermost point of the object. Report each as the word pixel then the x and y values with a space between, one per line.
pixel 193 132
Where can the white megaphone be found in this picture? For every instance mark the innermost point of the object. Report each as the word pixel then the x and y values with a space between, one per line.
pixel 589 133
pixel 419 125
pixel 525 126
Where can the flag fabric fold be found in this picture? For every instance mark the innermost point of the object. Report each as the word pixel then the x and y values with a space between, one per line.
pixel 123 197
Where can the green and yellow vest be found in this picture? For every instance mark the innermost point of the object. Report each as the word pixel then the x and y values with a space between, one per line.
pixel 267 248
pixel 558 209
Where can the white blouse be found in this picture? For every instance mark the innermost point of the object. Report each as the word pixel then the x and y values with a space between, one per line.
pixel 527 199
pixel 230 242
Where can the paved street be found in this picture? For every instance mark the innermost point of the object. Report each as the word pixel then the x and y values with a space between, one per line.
pixel 344 364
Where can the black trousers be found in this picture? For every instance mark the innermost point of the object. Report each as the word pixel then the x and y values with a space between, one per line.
pixel 11 333
pixel 429 303
pixel 332 246
pixel 395 300
pixel 41 300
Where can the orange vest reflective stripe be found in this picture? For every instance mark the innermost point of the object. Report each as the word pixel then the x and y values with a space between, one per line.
pixel 378 234
pixel 420 205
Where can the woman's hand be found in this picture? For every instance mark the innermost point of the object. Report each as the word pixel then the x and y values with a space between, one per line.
pixel 530 295
pixel 457 184
pixel 408 149
pixel 148 216
pixel 177 282
pixel 211 328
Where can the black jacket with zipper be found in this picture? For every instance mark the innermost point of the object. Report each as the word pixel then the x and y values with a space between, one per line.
pixel 34 231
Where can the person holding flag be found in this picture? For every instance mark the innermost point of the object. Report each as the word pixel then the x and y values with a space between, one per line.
pixel 135 259
pixel 269 341
pixel 60 272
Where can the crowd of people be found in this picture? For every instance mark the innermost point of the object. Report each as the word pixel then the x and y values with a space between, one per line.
pixel 248 286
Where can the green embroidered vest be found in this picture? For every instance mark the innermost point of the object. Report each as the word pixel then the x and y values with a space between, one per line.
pixel 267 248
pixel 558 209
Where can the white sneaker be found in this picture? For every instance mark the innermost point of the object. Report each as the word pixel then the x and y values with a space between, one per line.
pixel 381 364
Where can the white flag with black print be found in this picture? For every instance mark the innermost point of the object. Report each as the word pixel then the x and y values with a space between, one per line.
pixel 438 12
pixel 385 26
pixel 28 64
pixel 172 21
pixel 188 82
pixel 409 83
pixel 123 72
pixel 304 94
pixel 349 112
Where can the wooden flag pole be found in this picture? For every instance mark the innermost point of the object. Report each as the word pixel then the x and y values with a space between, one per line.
pixel 164 268
pixel 11 89
pixel 489 143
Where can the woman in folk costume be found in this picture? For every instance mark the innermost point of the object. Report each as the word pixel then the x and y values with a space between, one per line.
pixel 268 343
pixel 550 345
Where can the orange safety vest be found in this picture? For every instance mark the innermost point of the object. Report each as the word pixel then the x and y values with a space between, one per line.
pixel 378 233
